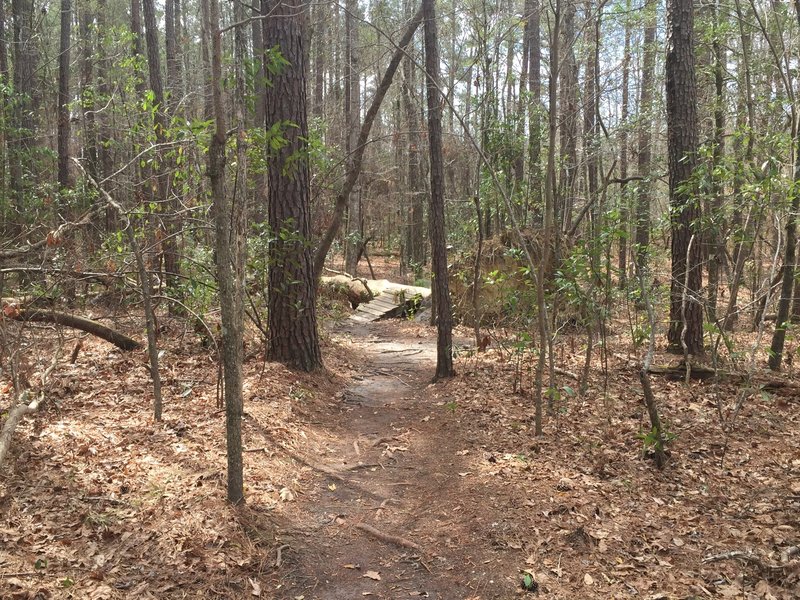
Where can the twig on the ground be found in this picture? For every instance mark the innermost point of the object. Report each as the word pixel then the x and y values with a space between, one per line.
pixel 279 555
pixel 565 373
pixel 745 556
pixel 393 375
pixel 789 553
pixel 384 440
pixel 427 568
pixel 321 468
pixel 406 350
pixel 356 448
pixel 364 466
pixel 387 537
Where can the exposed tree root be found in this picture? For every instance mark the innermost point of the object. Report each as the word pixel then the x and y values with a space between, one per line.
pixel 388 538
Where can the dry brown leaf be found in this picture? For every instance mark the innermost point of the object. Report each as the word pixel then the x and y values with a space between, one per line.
pixel 256 591
pixel 372 575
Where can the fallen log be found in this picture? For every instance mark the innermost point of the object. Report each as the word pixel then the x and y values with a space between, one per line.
pixel 678 372
pixel 27 315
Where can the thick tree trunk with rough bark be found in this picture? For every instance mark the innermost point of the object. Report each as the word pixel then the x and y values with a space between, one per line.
pixel 686 310
pixel 444 320
pixel 293 335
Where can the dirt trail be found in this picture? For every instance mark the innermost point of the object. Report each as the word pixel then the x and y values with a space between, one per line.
pixel 389 494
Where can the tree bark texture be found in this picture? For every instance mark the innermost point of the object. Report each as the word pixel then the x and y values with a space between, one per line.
pixel 31 315
pixel 568 128
pixel 715 245
pixel 444 321
pixel 681 90
pixel 172 39
pixel 415 184
pixel 63 94
pixel 622 257
pixel 352 115
pixel 21 142
pixel 535 104
pixel 293 339
pixel 88 103
pixel 169 243
pixel 230 224
pixel 645 126
pixel 789 259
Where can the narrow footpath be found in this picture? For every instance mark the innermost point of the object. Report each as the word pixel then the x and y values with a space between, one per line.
pixel 389 509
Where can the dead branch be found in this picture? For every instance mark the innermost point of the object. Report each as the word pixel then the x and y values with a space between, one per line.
pixel 279 555
pixel 23 408
pixel 565 373
pixel 789 553
pixel 52 237
pixel 59 318
pixel 745 556
pixel 14 417
pixel 388 538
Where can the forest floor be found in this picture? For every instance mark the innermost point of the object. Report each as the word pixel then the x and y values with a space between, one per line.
pixel 368 480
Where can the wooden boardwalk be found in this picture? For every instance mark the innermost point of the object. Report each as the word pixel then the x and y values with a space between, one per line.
pixel 390 299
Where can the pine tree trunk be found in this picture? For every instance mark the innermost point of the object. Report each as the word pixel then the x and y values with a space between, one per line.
pixel 624 216
pixel 88 103
pixel 352 112
pixel 644 143
pixel 293 333
pixel 535 105
pixel 715 246
pixel 789 260
pixel 590 129
pixel 63 95
pixel 569 128
pixel 169 243
pixel 21 141
pixel 686 313
pixel 444 321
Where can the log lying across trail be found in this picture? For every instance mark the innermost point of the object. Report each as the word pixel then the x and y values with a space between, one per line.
pixel 36 315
